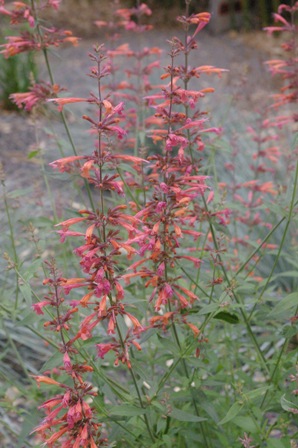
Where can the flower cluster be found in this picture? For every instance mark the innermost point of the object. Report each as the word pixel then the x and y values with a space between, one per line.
pixel 29 41
pixel 69 420
pixel 103 245
pixel 38 37
pixel 37 95
pixel 173 211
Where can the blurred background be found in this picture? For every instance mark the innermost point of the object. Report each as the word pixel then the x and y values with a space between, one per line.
pixel 227 14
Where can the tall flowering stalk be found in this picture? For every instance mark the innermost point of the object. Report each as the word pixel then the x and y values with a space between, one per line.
pixel 286 68
pixel 69 420
pixel 132 87
pixel 169 214
pixel 103 245
pixel 172 212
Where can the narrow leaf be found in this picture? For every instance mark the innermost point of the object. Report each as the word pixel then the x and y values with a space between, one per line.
pixel 183 416
pixel 232 413
pixel 287 405
pixel 227 317
pixel 33 154
pixel 287 303
pixel 257 392
pixel 126 410
pixel 246 423
pixel 26 293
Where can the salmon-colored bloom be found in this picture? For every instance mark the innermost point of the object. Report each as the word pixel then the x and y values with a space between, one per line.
pixel 61 102
pixel 46 380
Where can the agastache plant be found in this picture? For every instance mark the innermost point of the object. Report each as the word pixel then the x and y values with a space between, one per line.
pixel 154 232
pixel 103 244
pixel 150 271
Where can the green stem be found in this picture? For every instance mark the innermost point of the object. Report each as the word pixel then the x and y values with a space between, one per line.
pixel 269 234
pixel 14 433
pixel 128 190
pixel 66 127
pixel 188 377
pixel 16 352
pixel 237 299
pixel 12 240
pixel 194 281
pixel 282 241
pixel 136 387
pixel 292 205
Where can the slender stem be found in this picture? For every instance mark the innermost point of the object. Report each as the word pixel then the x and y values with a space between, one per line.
pixel 136 387
pixel 254 252
pixel 194 282
pixel 12 239
pixel 281 243
pixel 230 285
pixel 127 189
pixel 104 238
pixel 16 352
pixel 62 115
pixel 173 326
pixel 283 348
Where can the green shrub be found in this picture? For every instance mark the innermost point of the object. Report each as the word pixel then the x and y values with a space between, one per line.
pixel 16 76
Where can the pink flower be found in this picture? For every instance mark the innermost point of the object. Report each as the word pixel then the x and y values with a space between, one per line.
pixel 67 362
pixel 61 102
pixel 37 95
pixel 175 140
pixel 103 349
pixel 37 307
pixel 61 164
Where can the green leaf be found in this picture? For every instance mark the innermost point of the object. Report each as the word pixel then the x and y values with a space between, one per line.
pixel 127 410
pixel 210 409
pixel 246 423
pixel 285 304
pixel 227 317
pixel 18 193
pixel 232 413
pixel 161 425
pixel 26 293
pixel 168 344
pixel 275 443
pixel 209 308
pixel 167 440
pixel 256 392
pixel 33 154
pixel 183 416
pixel 53 361
pixel 28 319
pixel 287 405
